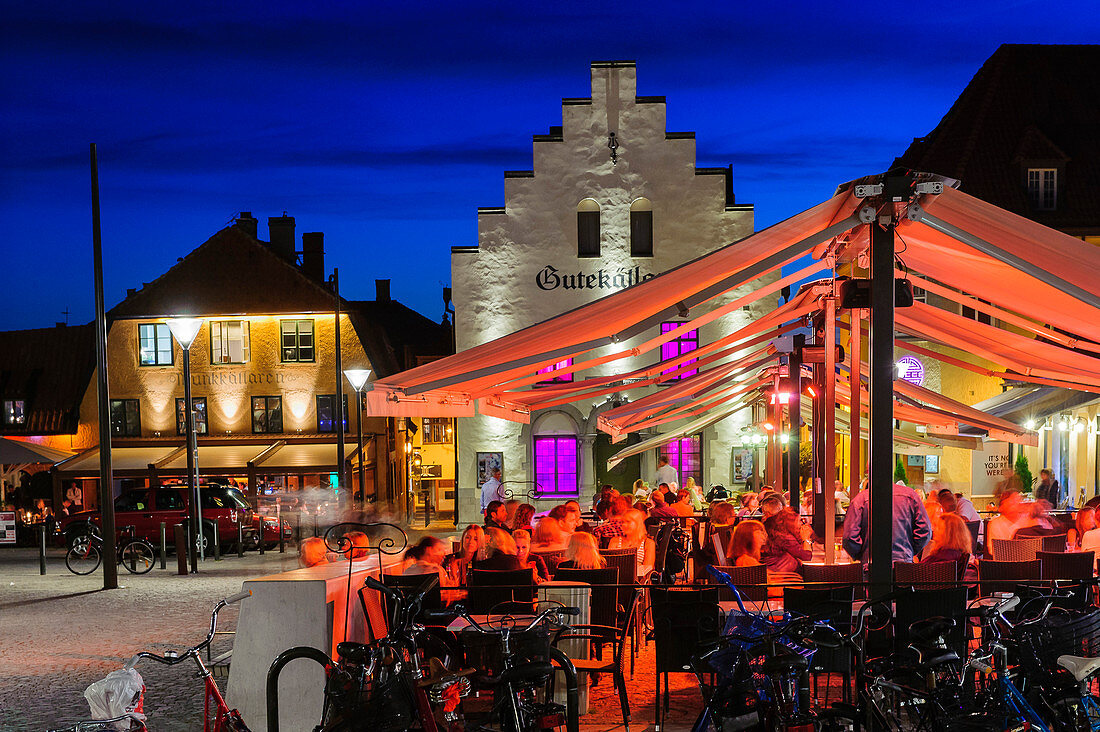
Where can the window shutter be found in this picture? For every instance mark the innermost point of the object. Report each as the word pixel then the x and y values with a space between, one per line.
pixel 641 233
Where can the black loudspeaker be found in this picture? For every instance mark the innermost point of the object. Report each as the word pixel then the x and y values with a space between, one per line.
pixel 856 293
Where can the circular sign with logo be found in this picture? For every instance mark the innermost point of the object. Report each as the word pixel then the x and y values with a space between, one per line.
pixel 911 369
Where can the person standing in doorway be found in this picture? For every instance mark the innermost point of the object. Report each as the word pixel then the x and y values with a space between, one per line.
pixel 665 473
pixel 490 490
pixel 1048 489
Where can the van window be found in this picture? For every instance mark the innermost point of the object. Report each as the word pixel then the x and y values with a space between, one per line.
pixel 133 501
pixel 169 500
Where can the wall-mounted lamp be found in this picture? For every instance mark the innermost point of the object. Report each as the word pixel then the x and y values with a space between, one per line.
pixel 613 146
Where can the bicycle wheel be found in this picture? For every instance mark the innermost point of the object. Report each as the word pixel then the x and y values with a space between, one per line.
pixel 137 556
pixel 83 558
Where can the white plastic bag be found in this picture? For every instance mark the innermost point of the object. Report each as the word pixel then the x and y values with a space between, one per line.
pixel 122 692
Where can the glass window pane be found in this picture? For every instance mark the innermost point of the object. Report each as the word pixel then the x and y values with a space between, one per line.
pixel 274 414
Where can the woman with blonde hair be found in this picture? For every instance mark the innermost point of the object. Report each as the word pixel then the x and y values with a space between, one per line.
pixel 549 536
pixel 473 539
pixel 500 551
pixel 582 553
pixel 635 537
pixel 1084 523
pixel 695 495
pixel 951 540
pixel 522 538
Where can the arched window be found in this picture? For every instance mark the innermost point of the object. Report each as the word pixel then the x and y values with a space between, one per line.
pixel 557 455
pixel 588 228
pixel 641 228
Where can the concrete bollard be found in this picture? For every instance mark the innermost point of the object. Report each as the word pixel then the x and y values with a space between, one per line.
pixel 181 548
pixel 163 545
pixel 42 548
pixel 240 536
pixel 217 543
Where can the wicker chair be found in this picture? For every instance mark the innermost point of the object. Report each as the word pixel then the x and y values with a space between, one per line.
pixel 551 559
pixel 600 634
pixel 998 576
pixel 683 620
pixel 926 575
pixel 1017 550
pixel 838 574
pixel 1054 543
pixel 751 582
pixel 1067 566
pixel 603 605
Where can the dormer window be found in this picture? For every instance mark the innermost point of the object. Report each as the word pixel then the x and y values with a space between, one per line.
pixel 1042 188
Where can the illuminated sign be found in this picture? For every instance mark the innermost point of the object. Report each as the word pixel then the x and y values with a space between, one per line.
pixel 910 369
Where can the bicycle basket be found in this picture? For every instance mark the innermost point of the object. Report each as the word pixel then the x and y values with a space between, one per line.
pixel 381 706
pixel 484 652
pixel 1062 632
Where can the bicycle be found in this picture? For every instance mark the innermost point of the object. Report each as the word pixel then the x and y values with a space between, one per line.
pixel 217 716
pixel 382 687
pixel 524 677
pixel 84 556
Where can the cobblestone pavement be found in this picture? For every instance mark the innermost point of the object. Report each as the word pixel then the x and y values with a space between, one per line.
pixel 59 633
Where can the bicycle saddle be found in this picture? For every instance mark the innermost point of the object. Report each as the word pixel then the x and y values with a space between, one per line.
pixel 785 663
pixel 532 671
pixel 1080 667
pixel 353 652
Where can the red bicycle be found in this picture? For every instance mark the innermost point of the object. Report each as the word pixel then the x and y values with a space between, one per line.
pixel 217 716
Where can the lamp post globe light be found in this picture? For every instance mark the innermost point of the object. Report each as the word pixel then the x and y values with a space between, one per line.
pixel 184 330
pixel 358 379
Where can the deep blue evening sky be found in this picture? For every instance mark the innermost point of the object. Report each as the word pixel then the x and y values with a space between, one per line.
pixel 385 125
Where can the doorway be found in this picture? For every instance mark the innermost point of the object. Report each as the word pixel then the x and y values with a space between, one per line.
pixel 623 475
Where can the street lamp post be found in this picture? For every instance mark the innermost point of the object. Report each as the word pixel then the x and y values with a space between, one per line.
pixel 184 331
pixel 358 379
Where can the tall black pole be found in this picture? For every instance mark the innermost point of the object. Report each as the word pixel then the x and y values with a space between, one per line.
pixel 881 427
pixel 794 407
pixel 195 538
pixel 106 479
pixel 339 390
pixel 359 430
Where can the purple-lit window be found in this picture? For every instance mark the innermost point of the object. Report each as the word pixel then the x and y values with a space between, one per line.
pixel 560 378
pixel 683 343
pixel 556 464
pixel 686 455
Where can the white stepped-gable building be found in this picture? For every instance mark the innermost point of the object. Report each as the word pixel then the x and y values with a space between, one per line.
pixel 612 199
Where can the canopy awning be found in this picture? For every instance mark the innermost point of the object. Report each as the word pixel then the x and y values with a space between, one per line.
pixel 1043 283
pixel 18 452
pixel 213 460
pixel 663 439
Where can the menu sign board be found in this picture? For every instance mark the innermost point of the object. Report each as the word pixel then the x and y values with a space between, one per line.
pixel 7 527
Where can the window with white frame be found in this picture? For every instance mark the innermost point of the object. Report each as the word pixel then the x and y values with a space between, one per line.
pixel 556 464
pixel 229 341
pixel 297 340
pixel 154 344
pixel 1042 188
pixel 686 342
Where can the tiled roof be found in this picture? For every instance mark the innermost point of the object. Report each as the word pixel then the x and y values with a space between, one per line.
pixel 397 337
pixel 231 273
pixel 49 369
pixel 1028 106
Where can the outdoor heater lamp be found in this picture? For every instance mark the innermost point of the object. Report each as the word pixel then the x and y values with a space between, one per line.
pixel 184 330
pixel 358 379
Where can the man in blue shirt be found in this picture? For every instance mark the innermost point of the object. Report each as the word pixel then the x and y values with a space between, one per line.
pixel 911 526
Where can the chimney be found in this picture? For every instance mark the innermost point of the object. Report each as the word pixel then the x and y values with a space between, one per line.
pixel 382 290
pixel 313 255
pixel 248 224
pixel 281 232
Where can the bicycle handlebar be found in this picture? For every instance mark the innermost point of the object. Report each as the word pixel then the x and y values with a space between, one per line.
pixel 459 610
pixel 192 652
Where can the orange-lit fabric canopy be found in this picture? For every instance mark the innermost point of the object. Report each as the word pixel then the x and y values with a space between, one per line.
pixel 1039 280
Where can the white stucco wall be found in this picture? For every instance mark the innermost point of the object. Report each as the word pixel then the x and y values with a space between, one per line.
pixel 507 283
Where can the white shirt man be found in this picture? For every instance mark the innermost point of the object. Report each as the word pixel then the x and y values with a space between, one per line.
pixel 490 491
pixel 666 473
